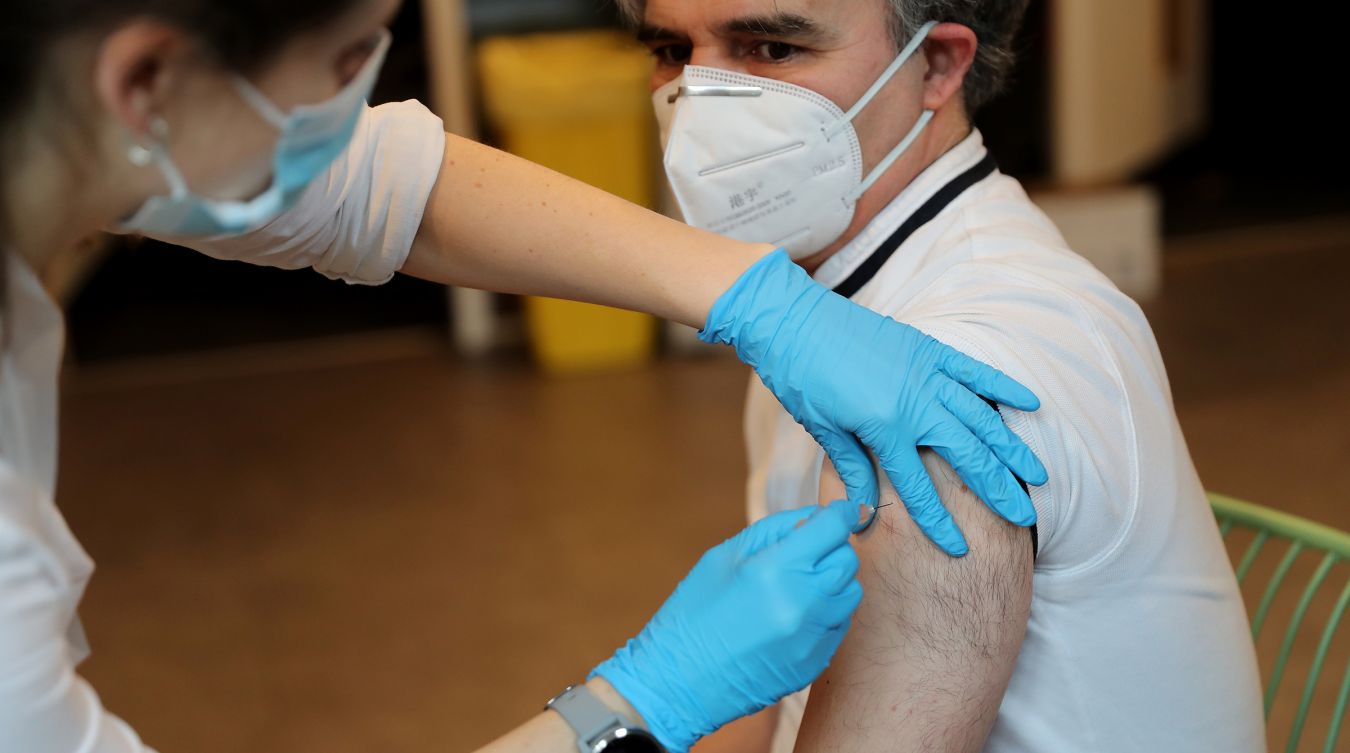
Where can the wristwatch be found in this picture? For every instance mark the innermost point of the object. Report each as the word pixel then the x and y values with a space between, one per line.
pixel 598 727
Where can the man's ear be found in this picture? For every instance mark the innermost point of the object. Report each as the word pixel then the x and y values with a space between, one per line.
pixel 950 51
pixel 135 69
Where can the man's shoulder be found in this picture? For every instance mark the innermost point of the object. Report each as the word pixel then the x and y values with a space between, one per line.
pixel 998 265
pixel 1006 289
pixel 992 240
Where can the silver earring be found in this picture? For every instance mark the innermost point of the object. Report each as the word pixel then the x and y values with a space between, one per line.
pixel 141 155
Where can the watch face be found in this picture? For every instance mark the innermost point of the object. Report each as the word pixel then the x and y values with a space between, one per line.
pixel 629 741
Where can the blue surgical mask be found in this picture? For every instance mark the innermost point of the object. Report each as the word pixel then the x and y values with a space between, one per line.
pixel 312 136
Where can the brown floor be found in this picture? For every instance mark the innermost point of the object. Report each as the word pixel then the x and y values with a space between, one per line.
pixel 409 554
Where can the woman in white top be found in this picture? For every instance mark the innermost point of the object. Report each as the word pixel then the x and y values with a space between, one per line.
pixel 242 123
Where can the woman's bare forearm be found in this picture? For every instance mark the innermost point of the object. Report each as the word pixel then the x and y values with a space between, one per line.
pixel 498 222
pixel 548 733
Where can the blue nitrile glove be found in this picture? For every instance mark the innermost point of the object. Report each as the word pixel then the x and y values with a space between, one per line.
pixel 759 617
pixel 853 377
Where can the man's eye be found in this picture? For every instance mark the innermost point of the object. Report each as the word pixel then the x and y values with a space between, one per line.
pixel 775 52
pixel 673 54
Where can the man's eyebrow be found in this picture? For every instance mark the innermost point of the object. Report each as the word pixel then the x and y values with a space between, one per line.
pixel 785 26
pixel 648 33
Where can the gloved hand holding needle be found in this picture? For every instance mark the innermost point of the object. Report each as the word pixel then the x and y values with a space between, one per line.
pixel 759 617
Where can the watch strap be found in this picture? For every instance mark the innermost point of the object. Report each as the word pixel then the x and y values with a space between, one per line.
pixel 587 715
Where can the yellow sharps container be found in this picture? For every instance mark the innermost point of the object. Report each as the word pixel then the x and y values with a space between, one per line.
pixel 578 103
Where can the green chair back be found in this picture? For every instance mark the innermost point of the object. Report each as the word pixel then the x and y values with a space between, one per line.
pixel 1300 537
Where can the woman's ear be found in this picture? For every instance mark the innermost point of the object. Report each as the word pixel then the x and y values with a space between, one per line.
pixel 135 68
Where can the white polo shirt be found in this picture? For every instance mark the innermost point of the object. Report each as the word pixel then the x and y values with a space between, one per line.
pixel 1138 640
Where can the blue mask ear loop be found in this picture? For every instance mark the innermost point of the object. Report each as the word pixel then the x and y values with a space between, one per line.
pixel 260 103
pixel 890 159
pixel 274 115
pixel 866 99
pixel 157 154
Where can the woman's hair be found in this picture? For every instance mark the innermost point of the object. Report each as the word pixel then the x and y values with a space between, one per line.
pixel 242 34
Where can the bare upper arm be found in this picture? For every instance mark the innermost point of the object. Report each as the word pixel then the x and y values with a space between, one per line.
pixel 931 650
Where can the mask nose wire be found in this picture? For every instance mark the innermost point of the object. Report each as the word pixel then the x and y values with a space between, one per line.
pixel 885 78
pixel 702 90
